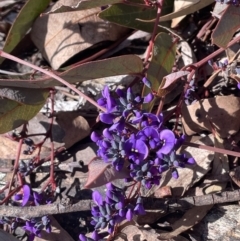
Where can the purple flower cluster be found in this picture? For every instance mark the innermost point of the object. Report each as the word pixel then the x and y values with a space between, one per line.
pixel 35 225
pixel 111 210
pixel 190 96
pixel 233 2
pixel 136 139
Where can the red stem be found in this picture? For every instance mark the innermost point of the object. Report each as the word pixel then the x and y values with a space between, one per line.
pixel 51 74
pixel 211 148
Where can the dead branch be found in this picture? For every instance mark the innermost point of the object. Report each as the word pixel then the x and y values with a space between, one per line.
pixel 163 204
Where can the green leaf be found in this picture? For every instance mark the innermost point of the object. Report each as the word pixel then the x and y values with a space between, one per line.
pixel 18 105
pixel 227 26
pixel 123 65
pixel 128 16
pixel 163 58
pixel 83 5
pixel 30 11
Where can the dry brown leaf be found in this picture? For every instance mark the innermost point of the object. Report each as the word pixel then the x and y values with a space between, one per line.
pixel 75 127
pixel 4 236
pixel 196 214
pixel 187 53
pixel 60 36
pixel 223 112
pixel 220 166
pixel 189 219
pixel 235 175
pixel 8 149
pixel 57 233
pixel 132 232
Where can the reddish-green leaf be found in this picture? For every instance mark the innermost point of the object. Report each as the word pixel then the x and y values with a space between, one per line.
pixel 18 105
pixel 30 11
pixel 168 82
pixel 129 16
pixel 100 173
pixel 122 65
pixel 227 26
pixel 161 63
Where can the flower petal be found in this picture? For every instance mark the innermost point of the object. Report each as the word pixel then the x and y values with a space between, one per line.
pixel 168 139
pixel 129 214
pixel 107 118
pixel 82 237
pixel 97 198
pixel 26 194
pixel 148 98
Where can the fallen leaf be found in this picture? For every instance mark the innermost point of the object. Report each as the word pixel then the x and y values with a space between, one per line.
pixel 122 65
pixel 23 22
pixel 220 167
pixel 221 223
pixel 57 233
pixel 8 149
pixel 75 127
pixel 235 175
pixel 132 232
pixel 61 36
pixel 222 111
pixel 162 192
pixel 187 54
pixel 230 23
pixel 189 219
pixel 196 214
pixel 100 173
pixel 4 236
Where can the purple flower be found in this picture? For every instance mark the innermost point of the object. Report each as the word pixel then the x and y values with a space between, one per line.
pixel 129 214
pixel 147 82
pixel 148 119
pixel 95 136
pixel 26 194
pixel 191 161
pixel 107 101
pixel 136 150
pixel 83 237
pixel 167 138
pixel 17 197
pixel 139 209
pixel 97 198
pixel 95 235
pixel 238 85
pixel 149 135
pixel 175 174
pixel 119 125
pixel 107 118
pixel 148 98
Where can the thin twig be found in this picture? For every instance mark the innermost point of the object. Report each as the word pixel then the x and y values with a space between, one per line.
pixel 150 203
